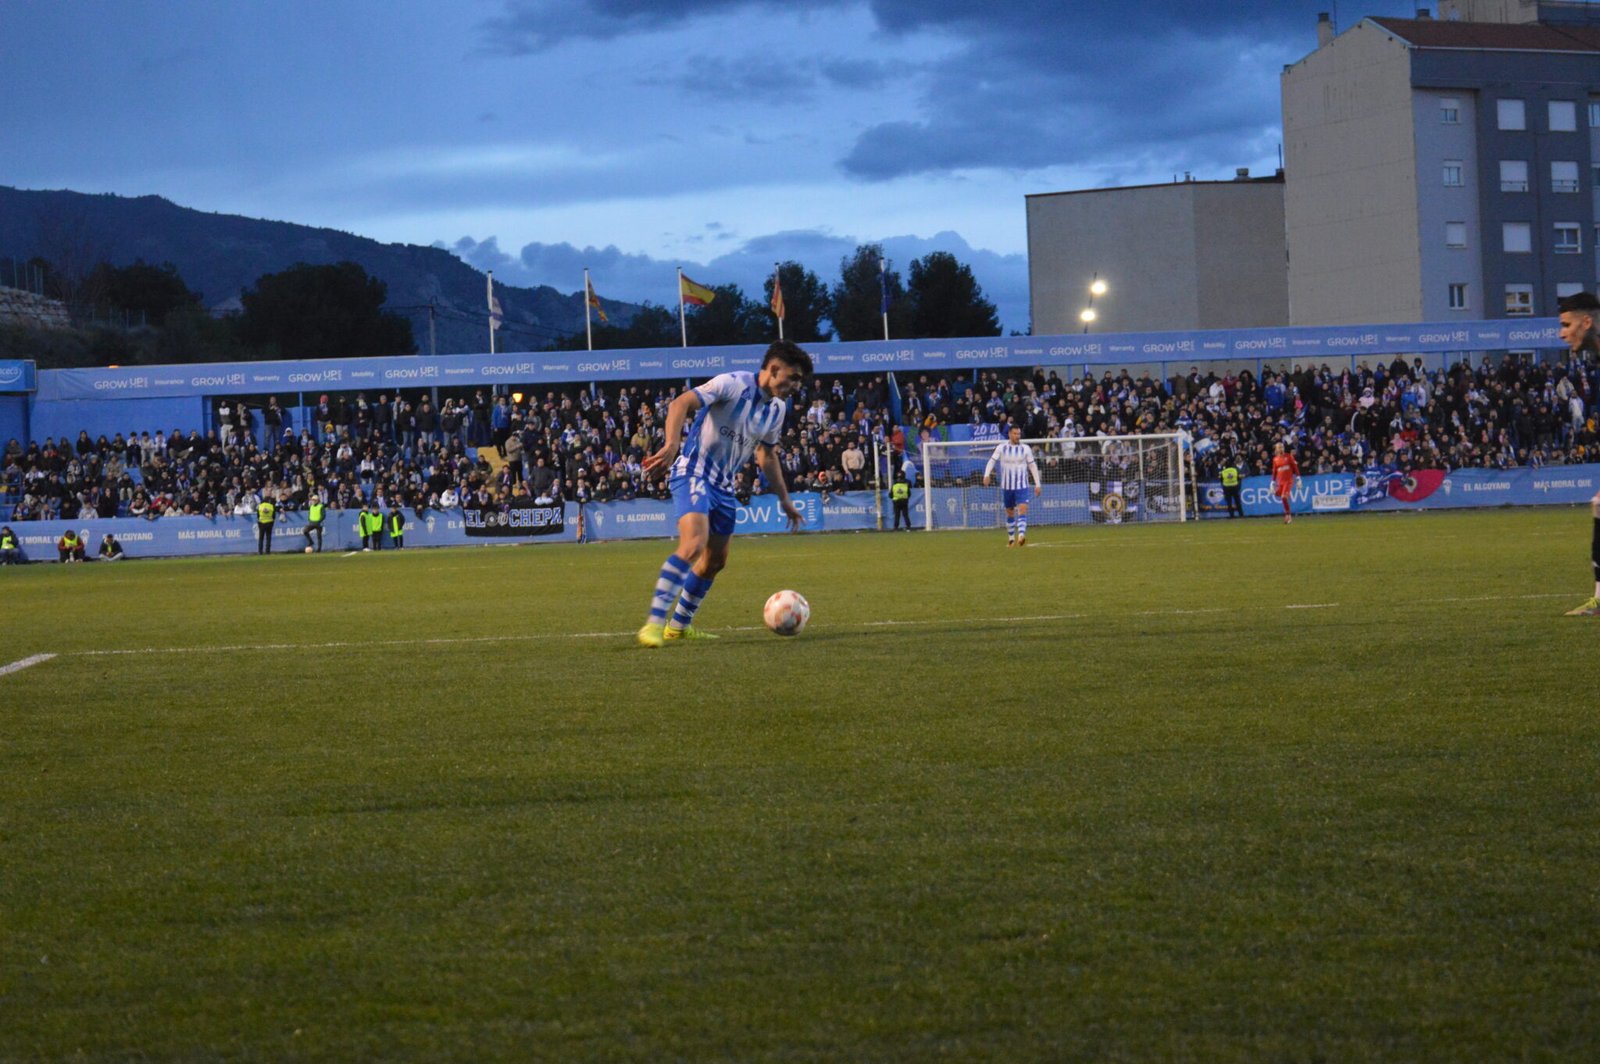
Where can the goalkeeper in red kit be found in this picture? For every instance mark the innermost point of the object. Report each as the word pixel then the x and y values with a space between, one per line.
pixel 1285 473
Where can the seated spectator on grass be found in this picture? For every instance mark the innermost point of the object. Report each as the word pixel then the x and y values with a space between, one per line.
pixel 70 547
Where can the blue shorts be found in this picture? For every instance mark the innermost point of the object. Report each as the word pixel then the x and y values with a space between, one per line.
pixel 696 495
pixel 1011 498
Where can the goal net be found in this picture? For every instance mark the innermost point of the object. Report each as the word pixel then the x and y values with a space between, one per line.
pixel 1101 479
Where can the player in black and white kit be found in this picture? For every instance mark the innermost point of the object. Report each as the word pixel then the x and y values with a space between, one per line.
pixel 1017 467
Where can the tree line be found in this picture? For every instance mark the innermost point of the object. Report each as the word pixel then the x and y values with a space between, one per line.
pixel 303 312
pixel 309 312
pixel 940 298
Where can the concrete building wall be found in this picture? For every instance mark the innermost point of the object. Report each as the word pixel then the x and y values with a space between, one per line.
pixel 1189 255
pixel 1439 140
pixel 1535 79
pixel 1592 114
pixel 1241 266
pixel 1352 227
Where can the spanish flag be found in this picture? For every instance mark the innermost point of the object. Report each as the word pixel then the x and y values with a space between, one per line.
pixel 777 298
pixel 593 300
pixel 697 294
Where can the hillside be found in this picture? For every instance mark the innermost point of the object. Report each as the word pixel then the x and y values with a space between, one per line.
pixel 219 255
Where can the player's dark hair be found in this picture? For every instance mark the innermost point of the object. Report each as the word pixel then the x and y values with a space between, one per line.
pixel 789 352
pixel 1578 303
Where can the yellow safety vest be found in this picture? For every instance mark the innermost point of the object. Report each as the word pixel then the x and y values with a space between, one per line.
pixel 1230 477
pixel 264 513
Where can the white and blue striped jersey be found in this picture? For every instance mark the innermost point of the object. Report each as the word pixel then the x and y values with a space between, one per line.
pixel 1018 468
pixel 733 417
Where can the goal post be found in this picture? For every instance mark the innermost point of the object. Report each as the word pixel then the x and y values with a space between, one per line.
pixel 1087 480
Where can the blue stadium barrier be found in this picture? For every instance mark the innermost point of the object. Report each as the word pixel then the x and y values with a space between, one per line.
pixel 176 537
pixel 1428 489
pixel 171 537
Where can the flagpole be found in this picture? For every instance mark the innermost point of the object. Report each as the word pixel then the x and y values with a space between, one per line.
pixel 883 286
pixel 490 277
pixel 683 322
pixel 776 290
pixel 588 327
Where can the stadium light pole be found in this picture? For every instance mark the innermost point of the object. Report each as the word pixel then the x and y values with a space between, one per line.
pixel 1097 287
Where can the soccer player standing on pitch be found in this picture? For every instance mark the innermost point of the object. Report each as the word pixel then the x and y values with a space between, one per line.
pixel 735 415
pixel 1285 472
pixel 1580 313
pixel 1016 462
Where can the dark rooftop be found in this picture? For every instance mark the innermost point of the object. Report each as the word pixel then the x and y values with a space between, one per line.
pixel 1493 36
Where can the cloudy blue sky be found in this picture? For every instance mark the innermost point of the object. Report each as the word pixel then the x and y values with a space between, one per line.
pixel 537 137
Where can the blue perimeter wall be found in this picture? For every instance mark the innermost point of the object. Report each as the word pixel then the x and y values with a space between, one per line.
pixel 169 537
pixel 850 511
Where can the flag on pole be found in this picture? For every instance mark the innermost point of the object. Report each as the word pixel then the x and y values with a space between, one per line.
pixel 494 311
pixel 883 286
pixel 592 299
pixel 777 298
pixel 697 294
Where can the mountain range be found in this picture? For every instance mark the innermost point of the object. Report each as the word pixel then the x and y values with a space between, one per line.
pixel 220 255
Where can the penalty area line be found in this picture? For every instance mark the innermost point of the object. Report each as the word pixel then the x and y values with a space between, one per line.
pixel 28 662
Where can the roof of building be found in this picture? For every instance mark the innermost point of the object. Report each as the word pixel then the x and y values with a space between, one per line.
pixel 1492 36
pixel 1189 182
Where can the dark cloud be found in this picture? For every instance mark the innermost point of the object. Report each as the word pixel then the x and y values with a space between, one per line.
pixel 1029 84
pixel 715 78
pixel 858 74
pixel 1090 84
pixel 529 26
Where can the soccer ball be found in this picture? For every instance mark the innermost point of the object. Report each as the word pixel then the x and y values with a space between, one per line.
pixel 308 550
pixel 786 612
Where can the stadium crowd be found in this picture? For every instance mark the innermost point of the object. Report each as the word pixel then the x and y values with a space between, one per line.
pixel 586 444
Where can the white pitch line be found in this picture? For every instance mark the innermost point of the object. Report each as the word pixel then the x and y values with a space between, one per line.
pixel 18 666
pixel 1040 618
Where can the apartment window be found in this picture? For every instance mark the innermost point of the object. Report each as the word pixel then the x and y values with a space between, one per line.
pixel 1512 114
pixel 1519 300
pixel 1513 175
pixel 1453 173
pixel 1458 297
pixel 1594 114
pixel 1594 176
pixel 1450 110
pixel 1563 116
pixel 1569 239
pixel 1564 177
pixel 1455 234
pixel 1516 237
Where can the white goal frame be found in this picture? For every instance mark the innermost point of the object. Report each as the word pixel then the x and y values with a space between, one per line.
pixel 1088 480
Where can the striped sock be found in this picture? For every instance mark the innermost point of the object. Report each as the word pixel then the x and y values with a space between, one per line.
pixel 1011 528
pixel 1022 526
pixel 695 587
pixel 668 584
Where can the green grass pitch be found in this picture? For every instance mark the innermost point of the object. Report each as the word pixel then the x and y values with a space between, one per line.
pixel 1221 791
